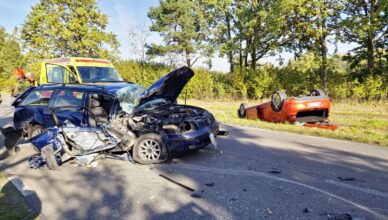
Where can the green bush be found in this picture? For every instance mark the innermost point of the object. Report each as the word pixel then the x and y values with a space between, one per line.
pixel 297 77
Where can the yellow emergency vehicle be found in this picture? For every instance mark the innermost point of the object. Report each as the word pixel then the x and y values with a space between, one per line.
pixel 78 70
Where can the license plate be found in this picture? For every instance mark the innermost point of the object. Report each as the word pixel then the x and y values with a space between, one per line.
pixel 314 104
pixel 213 139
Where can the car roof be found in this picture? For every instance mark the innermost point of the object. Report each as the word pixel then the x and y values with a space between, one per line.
pixel 109 88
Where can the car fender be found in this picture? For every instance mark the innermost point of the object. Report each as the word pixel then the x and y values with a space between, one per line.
pixel 25 116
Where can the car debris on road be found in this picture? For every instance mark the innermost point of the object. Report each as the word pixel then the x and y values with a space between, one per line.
pixel 176 182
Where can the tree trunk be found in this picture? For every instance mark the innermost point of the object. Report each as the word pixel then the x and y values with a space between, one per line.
pixel 188 59
pixel 324 62
pixel 230 53
pixel 370 54
pixel 246 51
pixel 370 46
pixel 231 61
pixel 323 47
pixel 253 57
pixel 241 56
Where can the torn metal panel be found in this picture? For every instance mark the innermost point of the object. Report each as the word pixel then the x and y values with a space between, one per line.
pixel 88 140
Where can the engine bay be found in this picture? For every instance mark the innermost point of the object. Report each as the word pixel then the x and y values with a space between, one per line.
pixel 169 119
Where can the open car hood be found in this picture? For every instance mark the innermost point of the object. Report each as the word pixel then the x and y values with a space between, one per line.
pixel 169 86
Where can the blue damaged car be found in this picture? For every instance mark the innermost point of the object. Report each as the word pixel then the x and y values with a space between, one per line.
pixel 78 120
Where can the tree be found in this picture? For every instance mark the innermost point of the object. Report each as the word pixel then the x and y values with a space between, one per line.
pixel 366 23
pixel 313 25
pixel 180 23
pixel 10 54
pixel 57 28
pixel 138 41
pixel 221 19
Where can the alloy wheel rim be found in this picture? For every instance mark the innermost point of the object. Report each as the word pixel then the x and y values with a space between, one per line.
pixel 276 100
pixel 150 150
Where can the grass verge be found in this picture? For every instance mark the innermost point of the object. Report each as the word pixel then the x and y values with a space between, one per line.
pixel 12 204
pixel 362 122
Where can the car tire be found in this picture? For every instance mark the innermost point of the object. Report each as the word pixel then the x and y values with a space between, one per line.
pixel 150 149
pixel 277 100
pixel 35 130
pixel 317 92
pixel 241 112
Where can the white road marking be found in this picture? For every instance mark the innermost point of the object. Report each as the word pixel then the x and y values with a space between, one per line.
pixel 260 174
pixel 358 188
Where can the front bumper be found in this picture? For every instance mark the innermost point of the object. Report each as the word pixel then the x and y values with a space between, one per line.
pixel 179 144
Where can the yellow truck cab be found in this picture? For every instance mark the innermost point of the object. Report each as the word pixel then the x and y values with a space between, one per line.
pixel 78 70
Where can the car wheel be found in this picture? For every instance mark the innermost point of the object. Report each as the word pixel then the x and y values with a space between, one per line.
pixel 35 130
pixel 242 110
pixel 149 149
pixel 277 100
pixel 317 92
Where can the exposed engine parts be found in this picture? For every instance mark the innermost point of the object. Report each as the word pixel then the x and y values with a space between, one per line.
pixel 174 119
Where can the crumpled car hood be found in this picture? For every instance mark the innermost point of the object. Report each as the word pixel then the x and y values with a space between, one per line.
pixel 168 86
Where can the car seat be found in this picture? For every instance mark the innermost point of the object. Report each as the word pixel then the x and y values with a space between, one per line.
pixel 98 111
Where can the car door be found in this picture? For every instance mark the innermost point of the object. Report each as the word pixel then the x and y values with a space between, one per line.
pixel 56 73
pixel 69 105
pixel 31 107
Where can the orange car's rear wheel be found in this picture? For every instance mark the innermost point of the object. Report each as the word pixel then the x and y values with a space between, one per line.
pixel 241 112
pixel 317 92
pixel 277 100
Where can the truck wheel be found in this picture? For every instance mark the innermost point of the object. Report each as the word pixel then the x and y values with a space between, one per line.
pixel 149 149
pixel 242 110
pixel 317 92
pixel 277 100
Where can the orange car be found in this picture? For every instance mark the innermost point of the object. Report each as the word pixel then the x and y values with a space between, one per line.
pixel 311 110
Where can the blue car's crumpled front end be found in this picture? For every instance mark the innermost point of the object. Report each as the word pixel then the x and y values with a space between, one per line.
pixel 183 128
pixel 180 143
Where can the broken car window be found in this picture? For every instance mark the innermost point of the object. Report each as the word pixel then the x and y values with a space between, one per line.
pixel 154 103
pixel 68 98
pixel 129 97
pixel 41 98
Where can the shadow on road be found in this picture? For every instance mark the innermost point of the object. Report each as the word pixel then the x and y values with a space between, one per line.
pixel 245 184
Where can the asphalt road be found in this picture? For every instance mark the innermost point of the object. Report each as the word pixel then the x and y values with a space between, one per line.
pixel 253 174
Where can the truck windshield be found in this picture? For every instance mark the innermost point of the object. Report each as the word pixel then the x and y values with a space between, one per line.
pixel 92 74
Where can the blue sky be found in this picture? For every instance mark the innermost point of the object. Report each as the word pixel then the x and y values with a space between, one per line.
pixel 122 15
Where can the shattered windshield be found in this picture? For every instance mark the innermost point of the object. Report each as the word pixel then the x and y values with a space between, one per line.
pixel 129 97
pixel 154 103
pixel 92 74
